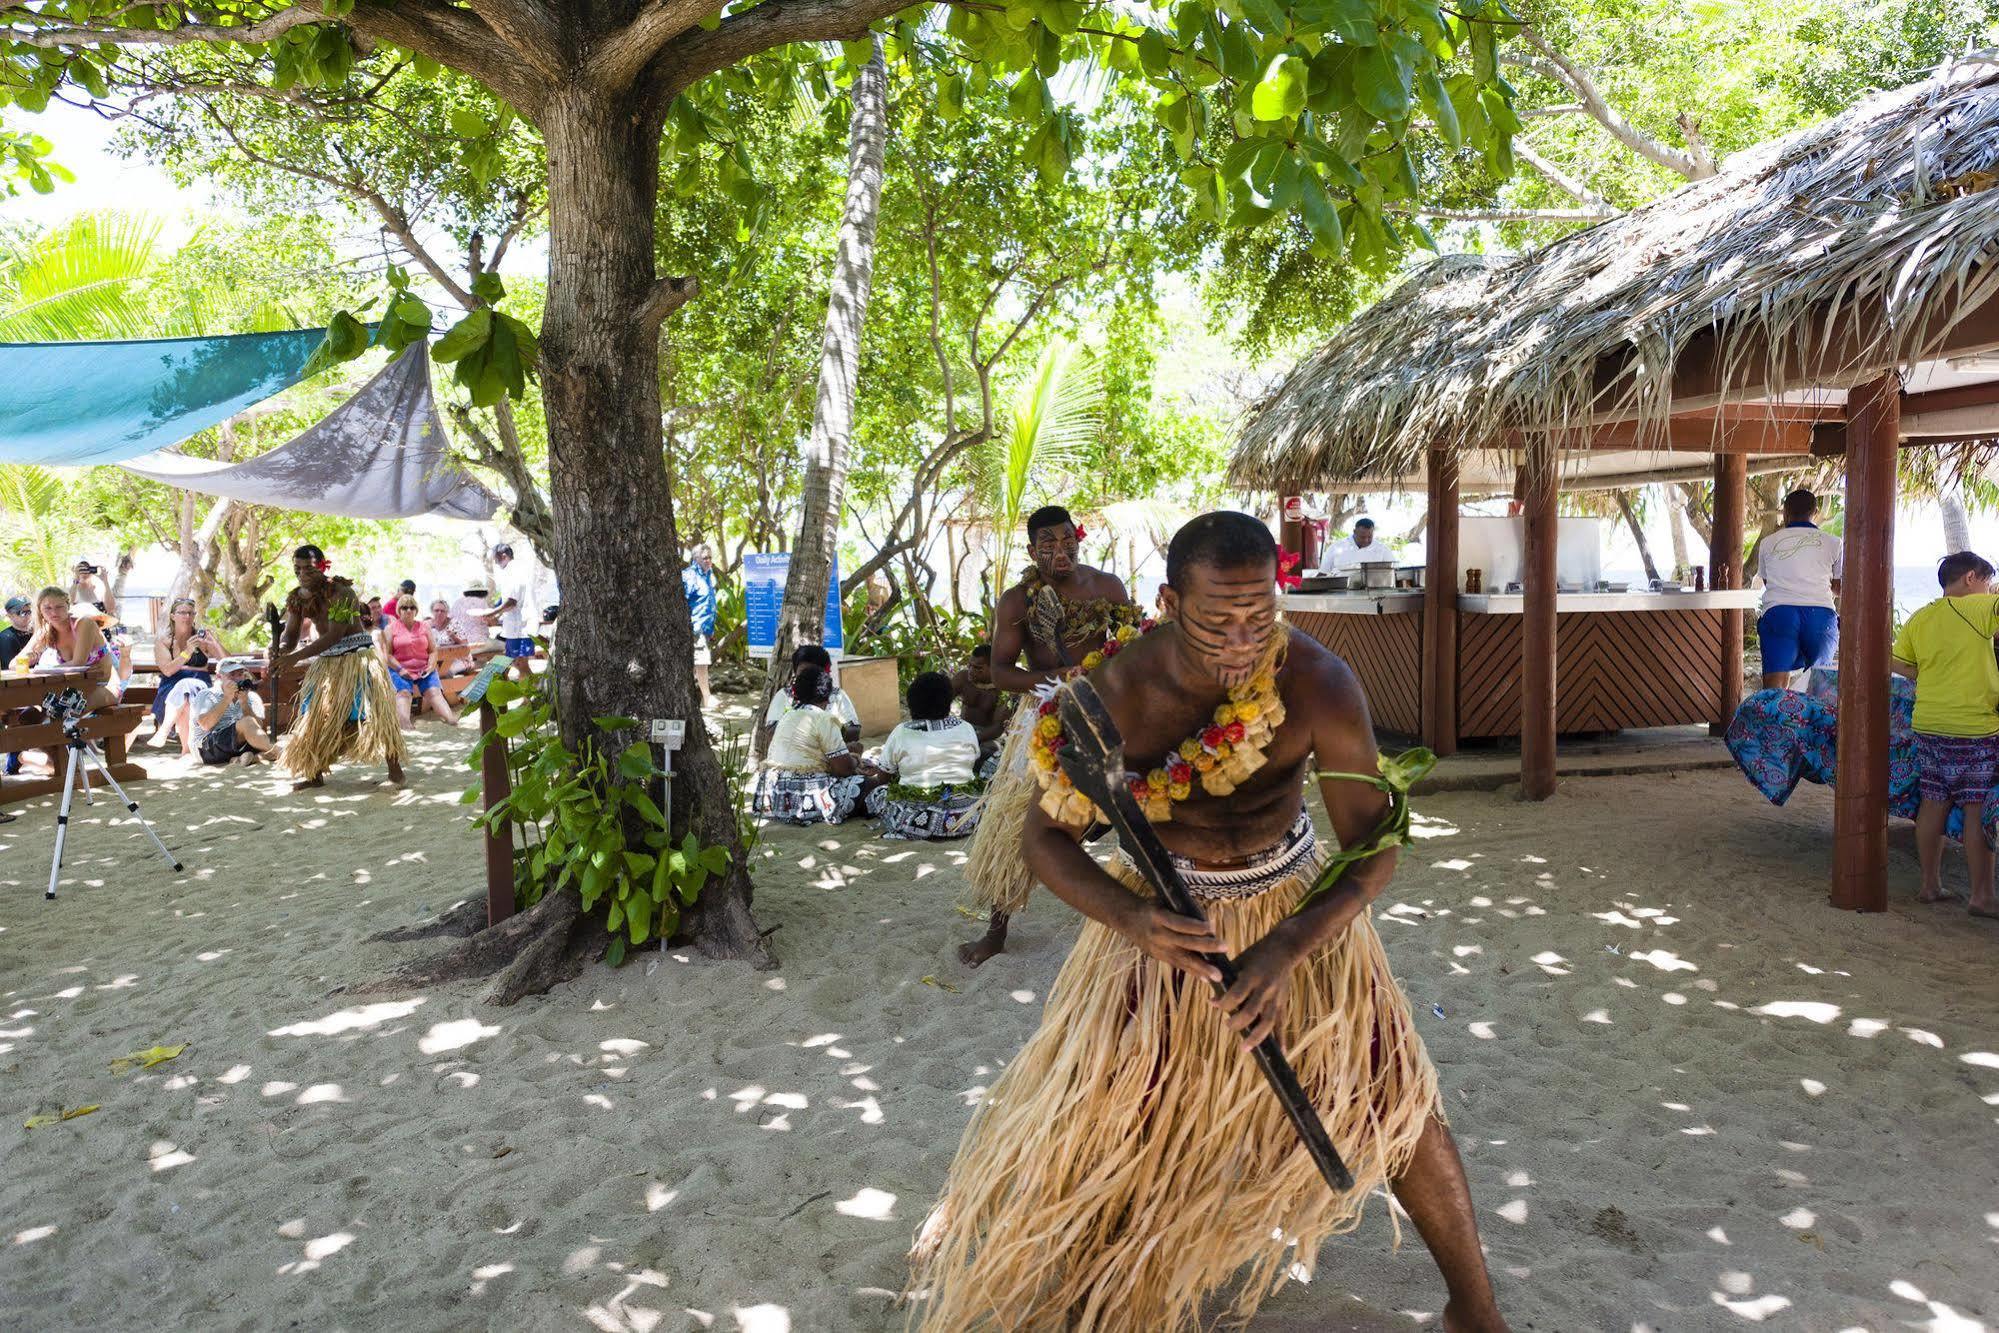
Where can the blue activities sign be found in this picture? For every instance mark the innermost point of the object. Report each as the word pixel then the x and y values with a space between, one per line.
pixel 763 594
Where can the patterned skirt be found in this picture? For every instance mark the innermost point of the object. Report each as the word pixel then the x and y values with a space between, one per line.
pixel 945 812
pixel 811 798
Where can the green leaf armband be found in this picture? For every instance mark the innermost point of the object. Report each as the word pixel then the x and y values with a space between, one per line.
pixel 1397 775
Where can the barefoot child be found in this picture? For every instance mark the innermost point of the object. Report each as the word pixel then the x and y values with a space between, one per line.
pixel 1947 649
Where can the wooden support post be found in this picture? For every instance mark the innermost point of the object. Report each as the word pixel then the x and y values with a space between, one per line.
pixel 1540 482
pixel 1731 488
pixel 1867 601
pixel 1440 608
pixel 495 786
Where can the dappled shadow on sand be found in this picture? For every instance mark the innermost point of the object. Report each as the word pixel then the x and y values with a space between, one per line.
pixel 1689 1095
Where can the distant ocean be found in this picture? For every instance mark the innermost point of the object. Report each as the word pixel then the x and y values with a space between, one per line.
pixel 1914 585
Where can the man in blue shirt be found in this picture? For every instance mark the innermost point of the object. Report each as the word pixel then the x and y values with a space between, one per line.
pixel 697 580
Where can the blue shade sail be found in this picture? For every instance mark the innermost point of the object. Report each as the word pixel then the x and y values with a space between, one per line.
pixel 75 404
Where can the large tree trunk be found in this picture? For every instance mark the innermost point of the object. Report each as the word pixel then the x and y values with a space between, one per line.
pixel 825 481
pixel 625 646
pixel 1956 523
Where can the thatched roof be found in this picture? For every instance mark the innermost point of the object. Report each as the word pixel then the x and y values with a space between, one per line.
pixel 1823 258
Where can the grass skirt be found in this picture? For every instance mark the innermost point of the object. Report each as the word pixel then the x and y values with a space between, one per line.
pixel 347 711
pixel 1131 1159
pixel 996 873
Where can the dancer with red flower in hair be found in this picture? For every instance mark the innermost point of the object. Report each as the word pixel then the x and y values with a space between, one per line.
pixel 1060 614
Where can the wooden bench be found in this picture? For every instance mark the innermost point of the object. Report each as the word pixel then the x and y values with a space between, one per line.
pixel 112 727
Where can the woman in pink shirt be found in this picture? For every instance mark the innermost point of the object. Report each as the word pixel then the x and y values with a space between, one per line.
pixel 410 653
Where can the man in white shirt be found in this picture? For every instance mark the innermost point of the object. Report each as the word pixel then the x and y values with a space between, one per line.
pixel 515 593
pixel 1800 567
pixel 1349 553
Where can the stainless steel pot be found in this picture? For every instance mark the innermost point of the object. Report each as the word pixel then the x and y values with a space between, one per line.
pixel 1378 574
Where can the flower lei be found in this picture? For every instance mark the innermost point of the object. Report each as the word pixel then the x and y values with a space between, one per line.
pixel 1221 754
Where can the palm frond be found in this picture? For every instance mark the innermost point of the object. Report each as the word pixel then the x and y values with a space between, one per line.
pixel 1055 412
pixel 79 280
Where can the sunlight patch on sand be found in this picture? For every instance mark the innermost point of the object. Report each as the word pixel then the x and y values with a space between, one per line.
pixel 455 1035
pixel 873 1204
pixel 350 1020
pixel 1816 1011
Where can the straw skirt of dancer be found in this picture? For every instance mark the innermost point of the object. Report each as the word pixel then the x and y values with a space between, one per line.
pixel 1131 1160
pixel 996 874
pixel 347 712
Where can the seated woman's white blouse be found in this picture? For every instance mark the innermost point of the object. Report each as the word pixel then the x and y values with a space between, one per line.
pixel 804 738
pixel 839 705
pixel 930 754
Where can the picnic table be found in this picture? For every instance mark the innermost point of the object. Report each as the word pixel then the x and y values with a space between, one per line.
pixel 111 727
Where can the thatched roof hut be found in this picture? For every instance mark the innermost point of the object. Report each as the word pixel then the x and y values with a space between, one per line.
pixel 1881 223
pixel 1834 292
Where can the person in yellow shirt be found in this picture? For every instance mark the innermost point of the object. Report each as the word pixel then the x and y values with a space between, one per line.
pixel 1947 649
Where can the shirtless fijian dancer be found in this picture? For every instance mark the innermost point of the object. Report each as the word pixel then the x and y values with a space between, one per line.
pixel 1131 1162
pixel 346 708
pixel 1060 611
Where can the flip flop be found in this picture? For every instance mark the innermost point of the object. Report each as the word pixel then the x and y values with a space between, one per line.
pixel 6 818
pixel 1981 912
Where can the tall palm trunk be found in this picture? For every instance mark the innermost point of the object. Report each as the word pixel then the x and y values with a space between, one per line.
pixel 1956 523
pixel 1624 507
pixel 1676 528
pixel 825 481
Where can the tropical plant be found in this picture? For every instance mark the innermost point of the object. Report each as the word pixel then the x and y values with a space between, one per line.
pixel 43 530
pixel 580 810
pixel 1056 412
pixel 83 278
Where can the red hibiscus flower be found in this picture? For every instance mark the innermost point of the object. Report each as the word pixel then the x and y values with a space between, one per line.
pixel 1212 736
pixel 1287 561
pixel 1141 789
pixel 1179 770
pixel 1234 732
pixel 1113 648
pixel 1080 534
pixel 1047 709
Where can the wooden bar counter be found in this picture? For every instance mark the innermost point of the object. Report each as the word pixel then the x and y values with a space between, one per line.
pixel 1625 660
pixel 1380 634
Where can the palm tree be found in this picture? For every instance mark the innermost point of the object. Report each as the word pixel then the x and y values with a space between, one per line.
pixel 1054 414
pixel 83 278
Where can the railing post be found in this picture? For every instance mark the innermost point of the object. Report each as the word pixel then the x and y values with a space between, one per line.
pixel 495 786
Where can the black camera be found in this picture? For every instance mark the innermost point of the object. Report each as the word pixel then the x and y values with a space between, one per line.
pixel 197 660
pixel 66 707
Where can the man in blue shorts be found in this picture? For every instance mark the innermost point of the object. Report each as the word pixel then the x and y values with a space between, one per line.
pixel 1800 569
pixel 510 612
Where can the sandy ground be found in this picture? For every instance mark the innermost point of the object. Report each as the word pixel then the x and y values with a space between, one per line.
pixel 1691 1096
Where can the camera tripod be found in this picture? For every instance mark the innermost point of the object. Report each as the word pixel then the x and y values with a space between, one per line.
pixel 83 753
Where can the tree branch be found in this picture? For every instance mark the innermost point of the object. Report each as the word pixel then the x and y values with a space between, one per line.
pixel 667 296
pixel 1554 65
pixel 264 30
pixel 1603 214
pixel 622 58
pixel 1568 184
pixel 699 52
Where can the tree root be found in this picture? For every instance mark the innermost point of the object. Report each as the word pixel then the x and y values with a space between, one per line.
pixel 459 920
pixel 531 952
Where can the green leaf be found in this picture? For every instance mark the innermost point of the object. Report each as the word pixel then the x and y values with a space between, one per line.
pixel 459 341
pixel 1381 84
pixel 1355 22
pixel 1442 109
pixel 615 954
pixel 635 763
pixel 469 124
pixel 614 722
pixel 1153 53
pixel 1280 94
pixel 488 287
pixel 1322 219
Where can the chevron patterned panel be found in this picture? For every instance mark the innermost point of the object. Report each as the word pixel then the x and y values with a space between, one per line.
pixel 1386 653
pixel 1615 669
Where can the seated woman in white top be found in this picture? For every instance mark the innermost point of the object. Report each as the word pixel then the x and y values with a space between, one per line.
pixel 933 759
pixel 837 703
pixel 809 776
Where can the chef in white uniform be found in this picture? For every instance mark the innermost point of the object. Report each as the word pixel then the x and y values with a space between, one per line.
pixel 1349 553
